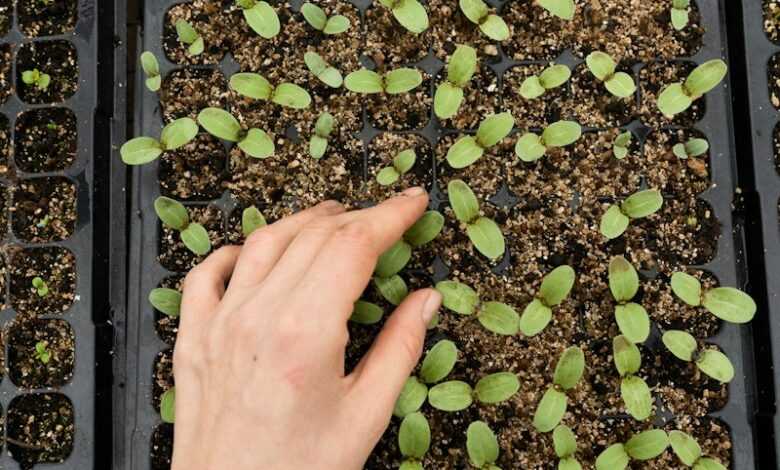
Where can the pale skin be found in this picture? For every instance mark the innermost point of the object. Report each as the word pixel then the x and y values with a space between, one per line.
pixel 259 358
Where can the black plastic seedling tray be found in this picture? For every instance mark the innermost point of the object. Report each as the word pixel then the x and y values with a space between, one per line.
pixel 145 272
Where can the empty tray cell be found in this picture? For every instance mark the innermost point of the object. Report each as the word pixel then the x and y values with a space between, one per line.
pixel 5 201
pixel 772 20
pixel 44 209
pixel 593 105
pixel 773 75
pixel 531 113
pixel 42 428
pixel 46 140
pixel 41 353
pixel 5 144
pixel 162 447
pixel 5 72
pixel 6 16
pixel 186 91
pixel 56 60
pixel 54 266
pixel 195 171
pixel 46 17
pixel 656 76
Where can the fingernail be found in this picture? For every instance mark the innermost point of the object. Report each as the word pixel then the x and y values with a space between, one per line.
pixel 331 206
pixel 431 306
pixel 414 192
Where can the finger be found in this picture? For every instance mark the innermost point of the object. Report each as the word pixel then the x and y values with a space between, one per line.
pixel 204 285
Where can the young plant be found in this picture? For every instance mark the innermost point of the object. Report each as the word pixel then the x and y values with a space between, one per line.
pixel 633 389
pixel 168 406
pixel 255 86
pixel 565 444
pixel 561 8
pixel 490 24
pixel 689 452
pixel 42 352
pixel 436 366
pixel 621 144
pixel 40 286
pixel 166 301
pixel 455 395
pixel 36 78
pixel 319 140
pixel 151 68
pixel 143 150
pixel 640 204
pixel 318 20
pixel 537 85
pixel 680 13
pixel 727 303
pixel 393 82
pixel 366 313
pixel 460 69
pixel 221 124
pixel 632 318
pixel 482 446
pixel 497 317
pixel 710 361
pixel 410 14
pixel 261 17
pixel 555 287
pixel 402 163
pixel 552 406
pixel 174 215
pixel 531 147
pixel 483 232
pixel 468 149
pixel 678 97
pixel 692 148
pixel 604 68
pixel 251 220
pixel 188 35
pixel 414 439
pixel 326 73
pixel 646 445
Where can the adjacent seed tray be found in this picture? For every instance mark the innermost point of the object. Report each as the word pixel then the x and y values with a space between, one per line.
pixel 145 347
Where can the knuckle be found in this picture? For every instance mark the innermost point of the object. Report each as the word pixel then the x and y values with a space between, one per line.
pixel 262 238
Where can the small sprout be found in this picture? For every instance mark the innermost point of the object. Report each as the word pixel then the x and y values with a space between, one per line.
pixel 646 445
pixel 40 286
pixel 394 82
pixel 640 204
pixel 620 145
pixel 143 150
pixel 255 86
pixel 42 352
pixel 326 73
pixel 632 319
pixel 692 148
pixel 727 303
pixel 36 77
pixel 402 163
pixel 168 406
pixel 468 149
pixel 689 452
pixel 555 287
pixel 319 140
pixel 52 126
pixel 166 301
pixel 497 317
pixel 188 35
pixel 710 361
pixel 531 147
pixel 174 215
pixel 482 446
pixel 565 443
pixel 366 313
pixel 456 395
pixel 680 13
pixel 410 14
pixel 221 124
pixel 491 25
pixel 633 389
pixel 678 97
pixel 151 68
pixel 414 439
pixel 251 220
pixel 561 8
pixel 537 85
pixel 460 69
pixel 436 366
pixel 261 17
pixel 554 402
pixel 44 222
pixel 318 20
pixel 603 67
pixel 483 232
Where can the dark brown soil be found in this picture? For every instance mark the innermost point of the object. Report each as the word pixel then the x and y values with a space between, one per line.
pixel 670 174
pixel 772 19
pixel 195 171
pixel 450 27
pixel 46 140
pixel 6 16
pixel 163 376
pixel 174 256
pixel 55 265
pixel 162 447
pixel 44 209
pixel 50 18
pixel 44 423
pixel 773 71
pixel 653 78
pixel 481 98
pixel 534 113
pixel 207 18
pixel 592 105
pixel 598 174
pixel 388 44
pixel 5 144
pixel 5 72
pixel 28 371
pixel 186 91
pixel 405 111
pixel 56 58
pixel 168 327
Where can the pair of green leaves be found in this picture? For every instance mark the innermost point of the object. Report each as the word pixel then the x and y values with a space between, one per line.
pixel 151 68
pixel 691 148
pixel 561 8
pixel 497 317
pixel 710 361
pixel 166 301
pixel 621 144
pixel 261 17
pixel 632 318
pixel 42 352
pixel 640 204
pixel 189 36
pixel 633 389
pixel 678 97
pixel 482 446
pixel 555 287
pixel 325 72
pixel 531 147
pixel 727 303
pixel 435 367
pixel 456 395
pixel 402 163
pixel 646 445
pixel 483 232
pixel 255 86
pixel 552 406
pixel 174 215
pixel 565 444
pixel 468 149
pixel 680 13
pixel 320 21
pixel 40 286
pixel 318 143
pixel 414 439
pixel 221 124
pixel 411 14
pixel 537 85
pixel 491 25
pixel 168 406
pixel 460 69
pixel 36 78
pixel 604 68
pixel 393 82
pixel 689 452
pixel 141 150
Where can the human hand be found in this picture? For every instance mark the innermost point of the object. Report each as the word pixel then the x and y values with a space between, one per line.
pixel 259 364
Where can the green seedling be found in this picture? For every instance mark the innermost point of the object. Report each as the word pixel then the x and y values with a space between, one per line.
pixel 565 444
pixel 604 68
pixel 497 317
pixel 454 395
pixel 151 68
pixel 646 445
pixel 460 69
pixel 255 86
pixel 680 13
pixel 468 149
pixel 641 204
pixel 175 216
pixel 40 286
pixel 691 148
pixel 633 389
pixel 221 124
pixel 552 406
pixel 42 352
pixel 320 21
pixel 531 147
pixel 168 406
pixel 689 452
pixel 261 17
pixel 436 366
pixel 44 222
pixel 326 73
pixel 410 14
pixel 491 25
pixel 621 145
pixel 402 163
pixel 189 36
pixel 414 439
pixel 555 287
pixel 251 220
pixel 366 313
pixel 727 303
pixel 678 97
pixel 36 78
pixel 141 150
pixel 632 318
pixel 710 361
pixel 393 82
pixel 561 8
pixel 483 232
pixel 166 301
pixel 482 446
pixel 319 140
pixel 393 289
pixel 537 85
